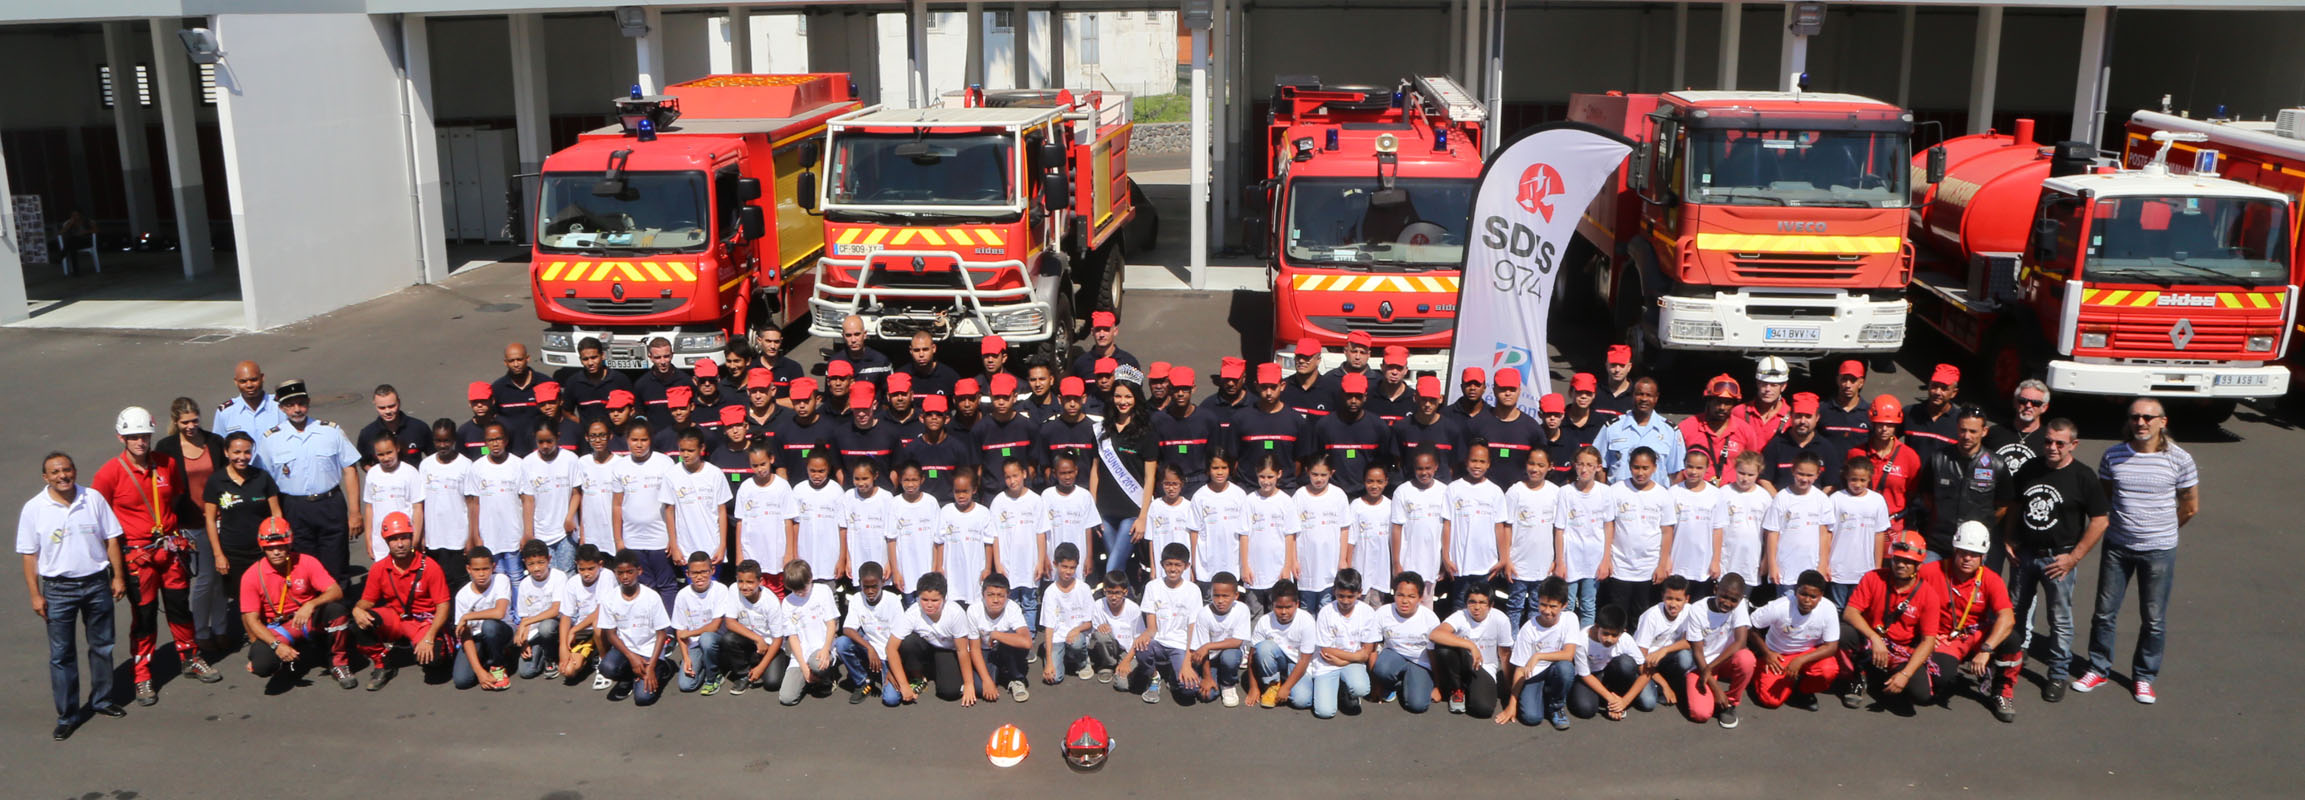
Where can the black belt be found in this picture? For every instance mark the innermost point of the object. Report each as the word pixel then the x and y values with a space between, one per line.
pixel 2050 552
pixel 77 580
pixel 314 498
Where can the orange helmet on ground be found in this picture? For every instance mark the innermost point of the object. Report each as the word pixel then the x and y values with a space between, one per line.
pixel 1007 747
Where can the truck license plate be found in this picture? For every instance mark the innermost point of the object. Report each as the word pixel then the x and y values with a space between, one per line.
pixel 1799 334
pixel 2244 380
pixel 858 249
pixel 626 358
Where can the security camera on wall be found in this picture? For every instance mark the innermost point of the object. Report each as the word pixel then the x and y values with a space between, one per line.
pixel 200 44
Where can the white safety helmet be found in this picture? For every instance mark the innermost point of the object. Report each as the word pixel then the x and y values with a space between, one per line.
pixel 1773 370
pixel 132 421
pixel 1973 537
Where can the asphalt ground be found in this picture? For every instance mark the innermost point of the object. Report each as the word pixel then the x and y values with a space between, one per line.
pixel 2224 725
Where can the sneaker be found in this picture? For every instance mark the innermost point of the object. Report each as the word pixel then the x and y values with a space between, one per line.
pixel 857 694
pixel 1152 692
pixel 739 685
pixel 198 669
pixel 1803 701
pixel 621 690
pixel 1391 696
pixel 343 676
pixel 1727 716
pixel 2145 692
pixel 1232 696
pixel 1104 676
pixel 820 690
pixel 497 680
pixel 2005 708
pixel 1853 696
pixel 145 694
pixel 1018 692
pixel 2053 692
pixel 710 688
pixel 1032 655
pixel 2089 682
pixel 1349 704
pixel 552 672
pixel 380 676
pixel 1086 672
pixel 1457 702
pixel 1561 720
pixel 918 684
pixel 600 682
pixel 1270 697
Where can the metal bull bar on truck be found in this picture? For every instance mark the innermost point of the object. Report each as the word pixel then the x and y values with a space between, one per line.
pixel 968 301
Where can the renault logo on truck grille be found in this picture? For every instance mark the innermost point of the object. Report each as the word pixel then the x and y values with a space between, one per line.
pixel 2181 334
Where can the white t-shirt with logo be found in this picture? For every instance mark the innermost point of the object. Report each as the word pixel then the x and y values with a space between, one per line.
pixel 913 526
pixel 646 487
pixel 1739 520
pixel 1535 639
pixel 385 492
pixel 1798 520
pixel 805 616
pixel 1070 516
pixel 759 615
pixel 553 484
pixel 1642 517
pixel 1715 630
pixel 1273 521
pixel 596 515
pixel 1218 520
pixel 964 536
pixel 1655 631
pixel 1696 514
pixel 1409 636
pixel 1475 508
pixel 692 609
pixel 1786 630
pixel 1530 513
pixel 1584 517
pixel 473 598
pixel 537 597
pixel 1169 524
pixel 698 498
pixel 1593 657
pixel 867 521
pixel 1126 624
pixel 1209 626
pixel 497 485
pixel 447 527
pixel 1492 632
pixel 1322 522
pixel 818 510
pixel 762 512
pixel 636 620
pixel 1294 639
pixel 1172 609
pixel 1018 523
pixel 1857 526
pixel 1420 513
pixel 1338 630
pixel 951 625
pixel 1373 540
pixel 1062 609
pixel 874 621
pixel 1011 618
pixel 578 600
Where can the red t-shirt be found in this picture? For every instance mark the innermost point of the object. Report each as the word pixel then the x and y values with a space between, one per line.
pixel 1968 606
pixel 276 597
pixel 414 592
pixel 1733 439
pixel 143 500
pixel 1892 477
pixel 1760 426
pixel 1909 615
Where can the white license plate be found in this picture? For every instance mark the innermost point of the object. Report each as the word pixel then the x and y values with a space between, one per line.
pixel 855 249
pixel 2244 380
pixel 1774 334
pixel 627 363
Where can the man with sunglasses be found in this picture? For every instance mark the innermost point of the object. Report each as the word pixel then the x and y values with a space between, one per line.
pixel 1963 482
pixel 2155 489
pixel 2062 515
pixel 2020 443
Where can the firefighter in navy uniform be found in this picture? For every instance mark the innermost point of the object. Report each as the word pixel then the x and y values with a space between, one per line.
pixel 866 439
pixel 1231 397
pixel 1845 417
pixel 1581 417
pixel 318 473
pixel 1104 336
pixel 801 432
pixel 1393 399
pixel 1004 433
pixel 939 450
pixel 585 388
pixel 413 436
pixel 1352 438
pixel 1184 435
pixel 1475 382
pixel 515 396
pixel 1070 431
pixel 928 376
pixel 1510 432
pixel 1304 391
pixel 1357 347
pixel 901 410
pixel 1428 428
pixel 1272 427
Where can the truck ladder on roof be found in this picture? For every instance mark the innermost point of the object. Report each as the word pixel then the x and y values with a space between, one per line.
pixel 1447 95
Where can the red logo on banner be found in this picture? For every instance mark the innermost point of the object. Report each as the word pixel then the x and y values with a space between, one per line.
pixel 1538 185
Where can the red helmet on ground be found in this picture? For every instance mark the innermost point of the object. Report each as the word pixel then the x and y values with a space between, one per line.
pixel 1085 744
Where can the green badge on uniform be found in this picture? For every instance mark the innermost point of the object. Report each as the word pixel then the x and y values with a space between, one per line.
pixel 1004 452
pixel 935 473
pixel 1268 444
pixel 1181 448
pixel 1352 453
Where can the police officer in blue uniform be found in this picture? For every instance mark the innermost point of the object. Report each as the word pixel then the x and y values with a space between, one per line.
pixel 253 411
pixel 317 471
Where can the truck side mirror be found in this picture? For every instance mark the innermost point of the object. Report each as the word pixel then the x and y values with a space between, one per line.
pixel 2045 240
pixel 1051 153
pixel 1936 168
pixel 1637 175
pixel 747 189
pixel 1056 192
pixel 809 152
pixel 804 185
pixel 752 221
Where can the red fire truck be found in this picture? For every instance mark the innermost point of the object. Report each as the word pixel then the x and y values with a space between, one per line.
pixel 2112 281
pixel 655 226
pixel 2266 153
pixel 1368 193
pixel 997 213
pixel 1760 223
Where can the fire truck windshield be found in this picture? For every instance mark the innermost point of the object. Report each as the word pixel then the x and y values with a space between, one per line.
pixel 653 211
pixel 2192 240
pixel 1848 169
pixel 1331 221
pixel 930 170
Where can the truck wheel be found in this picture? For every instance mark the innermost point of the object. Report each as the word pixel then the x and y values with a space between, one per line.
pixel 1058 350
pixel 2014 363
pixel 2216 412
pixel 762 315
pixel 1110 276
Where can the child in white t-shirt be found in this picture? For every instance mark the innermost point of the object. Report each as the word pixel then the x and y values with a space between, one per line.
pixel 389 486
pixel 1003 635
pixel 1020 538
pixel 1859 533
pixel 1587 519
pixel 1472 555
pixel 811 619
pixel 1117 631
pixel 1344 636
pixel 1220 518
pixel 1072 514
pixel 1658 634
pixel 964 543
pixel 752 633
pixel 580 642
pixel 1066 605
pixel 1281 638
pixel 1220 634
pixel 1696 536
pixel 1794 529
pixel 697 615
pixel 1609 675
pixel 1370 545
pixel 1533 540
pixel 482 635
pixel 1797 636
pixel 1170 604
pixel 537 611
pixel 1721 661
pixel 767 515
pixel 1268 543
pixel 1744 503
pixel 1168 520
pixel 914 519
pixel 863 643
pixel 817 506
pixel 1420 523
pixel 1542 648
pixel 864 520
pixel 1324 523
pixel 925 644
pixel 1471 645
pixel 1403 669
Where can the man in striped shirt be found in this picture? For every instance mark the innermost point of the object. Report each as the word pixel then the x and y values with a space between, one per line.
pixel 2155 489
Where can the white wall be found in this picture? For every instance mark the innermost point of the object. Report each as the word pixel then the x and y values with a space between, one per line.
pixel 1136 52
pixel 317 154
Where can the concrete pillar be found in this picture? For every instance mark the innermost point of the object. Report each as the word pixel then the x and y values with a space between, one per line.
pixel 972 74
pixel 2094 73
pixel 1494 82
pixel 424 152
pixel 1056 75
pixel 1680 48
pixel 1220 199
pixel 13 305
pixel 916 54
pixel 1792 55
pixel 1020 45
pixel 1197 248
pixel 1456 43
pixel 121 53
pixel 531 103
pixel 1471 74
pixel 1985 69
pixel 648 52
pixel 740 39
pixel 1906 17
pixel 173 87
pixel 1732 38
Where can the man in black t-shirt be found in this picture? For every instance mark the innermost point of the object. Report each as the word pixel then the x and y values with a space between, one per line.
pixel 938 450
pixel 1930 423
pixel 1272 428
pixel 1427 429
pixel 2019 443
pixel 2062 513
pixel 1185 435
pixel 1350 438
pixel 1844 416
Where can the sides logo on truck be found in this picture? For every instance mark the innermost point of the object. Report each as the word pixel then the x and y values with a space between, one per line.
pixel 1538 185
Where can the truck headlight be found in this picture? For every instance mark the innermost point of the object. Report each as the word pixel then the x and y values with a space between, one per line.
pixel 1695 330
pixel 827 317
pixel 559 340
pixel 691 342
pixel 2261 343
pixel 1028 320
pixel 1881 333
pixel 2094 339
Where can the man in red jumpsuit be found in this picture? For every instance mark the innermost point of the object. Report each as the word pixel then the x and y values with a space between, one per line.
pixel 142 488
pixel 399 602
pixel 1978 620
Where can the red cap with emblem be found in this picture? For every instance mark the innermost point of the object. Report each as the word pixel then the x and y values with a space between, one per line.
pixel 1232 368
pixel 619 398
pixel 840 368
pixel 1181 378
pixel 1003 384
pixel 678 396
pixel 707 368
pixel 934 404
pixel 759 378
pixel 1584 382
pixel 1805 403
pixel 1552 404
pixel 966 387
pixel 1106 366
pixel 993 344
pixel 1159 371
pixel 1508 379
pixel 1946 374
pixel 1361 338
pixel 547 391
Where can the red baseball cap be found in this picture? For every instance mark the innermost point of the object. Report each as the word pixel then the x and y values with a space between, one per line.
pixel 860 396
pixel 1584 382
pixel 273 533
pixel 1473 375
pixel 547 390
pixel 1908 545
pixel 1805 403
pixel 619 398
pixel 967 387
pixel 1853 368
pixel 1003 384
pixel 1182 378
pixel 1553 404
pixel 1356 383
pixel 1508 379
pixel 1159 371
pixel 1071 387
pixel 1268 372
pixel 1396 356
pixel 1232 368
pixel 1724 386
pixel 1308 346
pixel 1101 319
pixel 732 415
pixel 478 390
pixel 1887 410
pixel 802 387
pixel 1361 338
pixel 678 396
pixel 759 378
pixel 1620 354
pixel 707 368
pixel 1106 366
pixel 899 382
pixel 993 344
pixel 934 404
pixel 1946 374
pixel 1428 386
pixel 840 368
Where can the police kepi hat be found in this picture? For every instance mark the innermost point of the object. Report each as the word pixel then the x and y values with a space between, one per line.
pixel 291 389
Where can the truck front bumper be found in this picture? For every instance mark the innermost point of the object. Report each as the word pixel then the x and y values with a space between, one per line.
pixel 1781 321
pixel 2169 380
pixel 1421 362
pixel 894 313
pixel 627 348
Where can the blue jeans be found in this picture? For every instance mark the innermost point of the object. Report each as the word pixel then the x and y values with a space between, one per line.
pixel 1584 597
pixel 1222 669
pixel 1545 694
pixel 90 600
pixel 1026 597
pixel 1521 602
pixel 544 652
pixel 705 654
pixel 851 656
pixel 1070 654
pixel 2030 584
pixel 1460 586
pixel 2155 570
pixel 493 641
pixel 1414 681
pixel 1321 692
pixel 1311 602
pixel 1839 593
pixel 1117 545
pixel 508 570
pixel 1619 676
pixel 1166 662
pixel 619 669
pixel 563 554
pixel 1273 665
